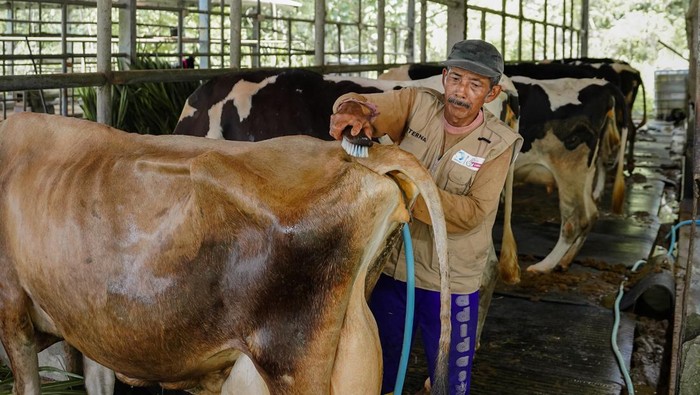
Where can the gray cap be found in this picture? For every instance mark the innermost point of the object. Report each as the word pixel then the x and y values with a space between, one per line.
pixel 476 56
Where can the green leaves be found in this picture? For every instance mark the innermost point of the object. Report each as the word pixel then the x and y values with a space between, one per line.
pixel 73 386
pixel 147 108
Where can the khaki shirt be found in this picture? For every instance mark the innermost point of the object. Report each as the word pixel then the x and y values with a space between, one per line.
pixel 469 192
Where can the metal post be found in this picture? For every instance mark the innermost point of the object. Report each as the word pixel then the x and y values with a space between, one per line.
pixel 104 55
pixel 41 63
pixel 584 28
pixel 180 34
pixel 64 60
pixel 320 32
pixel 381 30
pixel 257 48
pixel 360 28
pixel 544 26
pixel 204 26
pixel 235 45
pixel 563 30
pixel 127 31
pixel 520 31
pixel 456 24
pixel 410 37
pixel 503 28
pixel 423 33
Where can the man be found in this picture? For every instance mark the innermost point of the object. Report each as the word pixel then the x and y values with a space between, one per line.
pixel 468 151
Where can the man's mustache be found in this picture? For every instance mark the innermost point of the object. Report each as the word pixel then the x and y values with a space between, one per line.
pixel 462 103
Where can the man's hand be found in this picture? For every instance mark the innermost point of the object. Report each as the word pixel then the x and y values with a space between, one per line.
pixel 350 114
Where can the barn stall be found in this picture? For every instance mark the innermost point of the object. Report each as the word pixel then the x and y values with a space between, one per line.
pixel 549 334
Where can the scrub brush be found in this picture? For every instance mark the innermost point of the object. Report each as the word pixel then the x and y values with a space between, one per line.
pixel 357 146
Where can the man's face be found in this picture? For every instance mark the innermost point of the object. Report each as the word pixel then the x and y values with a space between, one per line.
pixel 466 92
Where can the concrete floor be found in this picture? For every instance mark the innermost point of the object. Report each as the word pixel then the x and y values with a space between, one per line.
pixel 553 337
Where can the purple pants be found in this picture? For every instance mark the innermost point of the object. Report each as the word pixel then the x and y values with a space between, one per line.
pixel 388 304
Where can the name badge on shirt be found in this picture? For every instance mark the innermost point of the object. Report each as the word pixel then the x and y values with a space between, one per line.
pixel 467 160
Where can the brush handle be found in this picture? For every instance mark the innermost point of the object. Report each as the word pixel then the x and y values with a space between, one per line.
pixel 357 140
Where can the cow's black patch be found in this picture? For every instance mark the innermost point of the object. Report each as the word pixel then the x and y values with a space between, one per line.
pixel 298 102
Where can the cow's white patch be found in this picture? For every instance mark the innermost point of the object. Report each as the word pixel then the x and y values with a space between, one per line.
pixel 242 96
pixel 561 91
pixel 136 280
pixel 396 73
pixel 467 160
pixel 187 111
pixel 617 67
pixel 620 67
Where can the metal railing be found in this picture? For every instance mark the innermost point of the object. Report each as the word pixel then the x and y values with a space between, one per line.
pixel 46 40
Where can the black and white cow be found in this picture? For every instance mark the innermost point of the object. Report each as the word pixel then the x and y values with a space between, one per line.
pixel 629 80
pixel 565 125
pixel 292 102
pixel 551 71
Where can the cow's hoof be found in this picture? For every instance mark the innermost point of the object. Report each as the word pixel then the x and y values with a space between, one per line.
pixel 538 268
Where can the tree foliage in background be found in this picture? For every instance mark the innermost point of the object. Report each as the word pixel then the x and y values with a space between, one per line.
pixel 147 108
pixel 636 31
pixel 632 30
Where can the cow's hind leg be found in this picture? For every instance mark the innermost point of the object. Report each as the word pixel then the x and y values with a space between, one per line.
pixel 99 380
pixel 17 334
pixel 358 362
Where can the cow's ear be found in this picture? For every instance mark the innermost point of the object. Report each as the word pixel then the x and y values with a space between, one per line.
pixel 495 91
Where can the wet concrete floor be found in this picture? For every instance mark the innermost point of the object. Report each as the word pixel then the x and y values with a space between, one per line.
pixel 551 334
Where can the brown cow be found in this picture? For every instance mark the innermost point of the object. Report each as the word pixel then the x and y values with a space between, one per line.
pixel 167 259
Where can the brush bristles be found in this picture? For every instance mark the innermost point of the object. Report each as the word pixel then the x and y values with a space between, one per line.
pixel 358 151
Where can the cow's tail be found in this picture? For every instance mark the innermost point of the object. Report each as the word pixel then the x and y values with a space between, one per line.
pixel 644 105
pixel 634 128
pixel 388 159
pixel 508 266
pixel 618 195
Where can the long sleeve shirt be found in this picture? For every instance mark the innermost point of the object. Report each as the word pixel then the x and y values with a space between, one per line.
pixel 469 170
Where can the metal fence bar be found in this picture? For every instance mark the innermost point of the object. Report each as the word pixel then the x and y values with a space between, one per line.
pixel 104 65
pixel 76 80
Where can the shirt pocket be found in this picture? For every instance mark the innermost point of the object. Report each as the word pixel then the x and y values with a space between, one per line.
pixel 459 179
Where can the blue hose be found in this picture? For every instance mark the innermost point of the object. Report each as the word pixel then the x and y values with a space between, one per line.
pixel 410 307
pixel 616 307
pixel 672 234
pixel 616 326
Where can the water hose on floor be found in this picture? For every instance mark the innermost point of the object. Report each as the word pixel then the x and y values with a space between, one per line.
pixel 616 326
pixel 672 234
pixel 410 306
